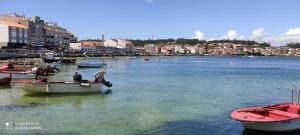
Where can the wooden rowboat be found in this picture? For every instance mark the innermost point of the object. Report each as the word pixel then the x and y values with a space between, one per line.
pixel 275 118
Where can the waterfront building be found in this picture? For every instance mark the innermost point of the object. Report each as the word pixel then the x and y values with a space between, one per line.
pixel 141 50
pixel 119 43
pixel 36 34
pixel 13 35
pixel 56 36
pixel 41 34
pixel 74 47
pixel 90 45
pixel 179 49
pixel 88 48
pixel 110 43
pixel 150 48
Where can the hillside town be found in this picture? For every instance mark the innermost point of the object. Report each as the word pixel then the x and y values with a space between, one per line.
pixel 21 35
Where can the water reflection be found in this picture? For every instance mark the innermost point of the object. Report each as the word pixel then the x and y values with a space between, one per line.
pixel 76 99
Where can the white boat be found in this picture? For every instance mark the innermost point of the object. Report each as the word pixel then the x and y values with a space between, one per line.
pixel 38 86
pixel 275 118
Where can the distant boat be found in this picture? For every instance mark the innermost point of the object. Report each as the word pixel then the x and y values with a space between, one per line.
pixel 50 58
pixel 91 65
pixel 65 61
pixel 147 59
pixel 251 56
pixel 277 117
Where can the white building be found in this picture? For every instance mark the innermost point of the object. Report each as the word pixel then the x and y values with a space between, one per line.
pixel 88 48
pixel 179 49
pixel 119 43
pixel 13 35
pixel 150 48
pixel 75 46
pixel 110 43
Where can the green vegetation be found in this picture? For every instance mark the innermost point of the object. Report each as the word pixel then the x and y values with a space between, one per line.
pixel 293 45
pixel 183 41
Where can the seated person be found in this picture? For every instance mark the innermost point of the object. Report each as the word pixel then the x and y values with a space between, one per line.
pixel 77 77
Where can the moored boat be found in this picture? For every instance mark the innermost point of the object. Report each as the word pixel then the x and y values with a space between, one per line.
pixel 50 58
pixel 11 68
pixel 65 61
pixel 91 65
pixel 39 86
pixel 276 118
pixel 4 81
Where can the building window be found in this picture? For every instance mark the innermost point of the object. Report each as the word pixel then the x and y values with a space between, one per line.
pixel 13 34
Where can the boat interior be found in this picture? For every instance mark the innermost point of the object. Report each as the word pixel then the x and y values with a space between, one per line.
pixel 273 112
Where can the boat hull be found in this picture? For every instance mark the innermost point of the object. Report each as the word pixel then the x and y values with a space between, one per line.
pixel 279 126
pixel 59 87
pixel 90 65
pixel 281 117
pixel 5 81
pixel 66 61
pixel 20 75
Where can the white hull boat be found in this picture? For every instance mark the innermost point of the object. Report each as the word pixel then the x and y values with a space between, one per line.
pixel 279 126
pixel 36 86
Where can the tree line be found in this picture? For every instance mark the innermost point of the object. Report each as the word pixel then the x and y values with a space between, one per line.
pixel 183 41
pixel 293 45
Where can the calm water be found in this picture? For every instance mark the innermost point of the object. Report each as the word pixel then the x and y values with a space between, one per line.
pixel 165 96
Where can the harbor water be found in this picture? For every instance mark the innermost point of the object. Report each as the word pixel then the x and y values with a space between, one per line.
pixel 164 96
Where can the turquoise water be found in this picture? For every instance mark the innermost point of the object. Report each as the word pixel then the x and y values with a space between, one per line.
pixel 165 96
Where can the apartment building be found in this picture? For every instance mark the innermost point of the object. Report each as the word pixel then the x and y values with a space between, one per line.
pixel 41 34
pixel 12 35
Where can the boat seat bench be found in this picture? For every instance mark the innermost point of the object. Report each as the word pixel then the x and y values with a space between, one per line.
pixel 249 115
pixel 282 114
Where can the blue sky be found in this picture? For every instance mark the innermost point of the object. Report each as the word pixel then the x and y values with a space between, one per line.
pixel 140 19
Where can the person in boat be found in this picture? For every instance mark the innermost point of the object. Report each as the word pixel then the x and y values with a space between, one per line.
pixel 38 71
pixel 10 66
pixel 99 78
pixel 77 77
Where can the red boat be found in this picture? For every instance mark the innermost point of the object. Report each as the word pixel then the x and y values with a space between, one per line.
pixel 10 68
pixel 5 81
pixel 276 117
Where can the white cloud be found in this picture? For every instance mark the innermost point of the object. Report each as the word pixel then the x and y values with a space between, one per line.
pixel 232 34
pixel 259 35
pixel 199 35
pixel 295 31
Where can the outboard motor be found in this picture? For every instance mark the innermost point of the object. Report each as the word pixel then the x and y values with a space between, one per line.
pixel 107 83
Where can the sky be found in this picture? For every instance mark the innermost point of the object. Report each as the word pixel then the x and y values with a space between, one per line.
pixel 274 21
